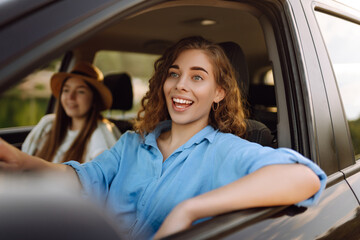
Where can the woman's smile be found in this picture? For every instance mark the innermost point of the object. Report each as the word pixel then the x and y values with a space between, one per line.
pixel 181 104
pixel 76 98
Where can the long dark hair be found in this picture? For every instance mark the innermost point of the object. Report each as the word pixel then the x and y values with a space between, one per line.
pixel 230 115
pixel 60 126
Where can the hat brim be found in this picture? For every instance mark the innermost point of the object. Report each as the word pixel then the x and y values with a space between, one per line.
pixel 105 94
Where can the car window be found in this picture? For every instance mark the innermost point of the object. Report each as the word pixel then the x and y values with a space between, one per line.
pixel 342 41
pixel 351 3
pixel 140 68
pixel 25 103
pixel 263 99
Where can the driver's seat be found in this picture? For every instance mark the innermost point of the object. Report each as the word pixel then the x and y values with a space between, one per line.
pixel 256 131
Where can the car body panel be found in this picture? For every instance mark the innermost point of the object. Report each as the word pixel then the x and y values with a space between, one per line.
pixel 337 206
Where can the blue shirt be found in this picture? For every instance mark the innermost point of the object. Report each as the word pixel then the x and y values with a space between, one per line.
pixel 140 190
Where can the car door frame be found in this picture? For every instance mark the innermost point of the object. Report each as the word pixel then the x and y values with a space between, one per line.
pixel 348 164
pixel 41 33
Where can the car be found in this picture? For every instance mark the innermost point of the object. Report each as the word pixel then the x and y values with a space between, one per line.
pixel 303 69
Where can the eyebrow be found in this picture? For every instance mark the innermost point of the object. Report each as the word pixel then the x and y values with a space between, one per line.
pixel 192 68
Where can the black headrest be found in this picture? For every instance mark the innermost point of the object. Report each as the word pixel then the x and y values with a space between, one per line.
pixel 237 59
pixel 121 90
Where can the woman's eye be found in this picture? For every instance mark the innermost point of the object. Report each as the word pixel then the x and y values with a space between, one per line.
pixel 174 75
pixel 197 78
pixel 65 90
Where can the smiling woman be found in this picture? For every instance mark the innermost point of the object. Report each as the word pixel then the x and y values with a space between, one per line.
pixel 76 99
pixel 190 90
pixel 191 87
pixel 194 148
pixel 174 72
pixel 76 130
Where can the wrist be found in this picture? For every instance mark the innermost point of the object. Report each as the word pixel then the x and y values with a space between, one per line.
pixel 188 208
pixel 34 163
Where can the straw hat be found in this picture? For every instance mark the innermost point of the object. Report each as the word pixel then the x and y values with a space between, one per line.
pixel 90 74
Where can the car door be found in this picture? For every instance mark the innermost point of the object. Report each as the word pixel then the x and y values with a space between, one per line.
pixel 321 134
pixel 310 108
pixel 322 131
pixel 339 26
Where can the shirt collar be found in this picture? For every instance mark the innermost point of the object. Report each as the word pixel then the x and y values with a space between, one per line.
pixel 207 132
pixel 150 138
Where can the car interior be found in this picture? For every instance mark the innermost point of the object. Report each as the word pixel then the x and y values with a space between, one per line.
pixel 148 32
pixel 244 32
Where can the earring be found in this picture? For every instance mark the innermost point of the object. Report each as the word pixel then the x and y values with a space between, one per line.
pixel 215 108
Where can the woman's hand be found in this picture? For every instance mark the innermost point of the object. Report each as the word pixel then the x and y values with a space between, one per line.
pixel 11 158
pixel 180 218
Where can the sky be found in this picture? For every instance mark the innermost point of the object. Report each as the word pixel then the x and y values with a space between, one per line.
pixel 351 3
pixel 342 39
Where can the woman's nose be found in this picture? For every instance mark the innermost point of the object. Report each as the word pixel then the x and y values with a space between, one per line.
pixel 182 84
pixel 72 95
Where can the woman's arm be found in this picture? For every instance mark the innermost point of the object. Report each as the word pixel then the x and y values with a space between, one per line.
pixel 269 186
pixel 12 159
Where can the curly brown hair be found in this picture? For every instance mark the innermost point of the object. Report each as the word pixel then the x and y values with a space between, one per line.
pixel 230 115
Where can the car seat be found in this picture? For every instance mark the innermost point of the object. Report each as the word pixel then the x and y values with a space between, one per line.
pixel 256 131
pixel 121 89
pixel 262 98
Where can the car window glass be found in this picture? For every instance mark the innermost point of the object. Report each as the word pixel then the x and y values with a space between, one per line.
pixel 140 68
pixel 25 103
pixel 351 3
pixel 262 98
pixel 342 41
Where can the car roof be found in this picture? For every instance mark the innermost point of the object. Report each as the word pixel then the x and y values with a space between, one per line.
pixel 47 29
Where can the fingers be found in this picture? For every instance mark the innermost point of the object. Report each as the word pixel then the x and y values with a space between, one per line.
pixel 7 167
pixel 3 143
pixel 8 156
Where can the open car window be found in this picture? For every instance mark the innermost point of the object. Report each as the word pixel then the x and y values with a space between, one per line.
pixel 25 103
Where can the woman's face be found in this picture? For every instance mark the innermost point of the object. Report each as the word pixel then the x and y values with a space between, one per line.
pixel 190 88
pixel 76 98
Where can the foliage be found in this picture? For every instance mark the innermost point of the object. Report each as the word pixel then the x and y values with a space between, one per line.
pixel 21 112
pixel 355 134
pixel 136 64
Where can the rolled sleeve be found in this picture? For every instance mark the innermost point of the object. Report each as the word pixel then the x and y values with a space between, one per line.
pixel 237 158
pixel 82 175
pixel 288 156
pixel 97 175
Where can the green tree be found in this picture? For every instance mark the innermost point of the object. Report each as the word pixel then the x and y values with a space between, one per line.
pixel 355 134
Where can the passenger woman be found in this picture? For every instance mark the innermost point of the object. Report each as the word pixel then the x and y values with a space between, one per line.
pixel 187 160
pixel 77 130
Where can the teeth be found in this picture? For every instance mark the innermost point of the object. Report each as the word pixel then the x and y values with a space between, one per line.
pixel 183 101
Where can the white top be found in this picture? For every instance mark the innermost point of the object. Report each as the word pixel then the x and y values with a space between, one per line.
pixel 104 137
